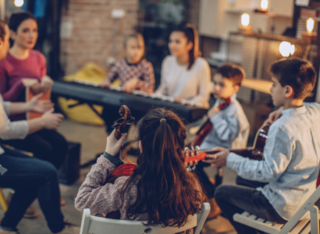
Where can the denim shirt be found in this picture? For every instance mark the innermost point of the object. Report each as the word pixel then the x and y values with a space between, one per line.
pixel 10 130
pixel 291 160
pixel 230 127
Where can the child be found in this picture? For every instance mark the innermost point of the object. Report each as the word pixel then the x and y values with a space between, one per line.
pixel 230 124
pixel 184 75
pixel 134 71
pixel 283 181
pixel 160 191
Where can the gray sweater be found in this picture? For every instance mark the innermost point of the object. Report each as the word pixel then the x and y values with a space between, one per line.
pixel 10 130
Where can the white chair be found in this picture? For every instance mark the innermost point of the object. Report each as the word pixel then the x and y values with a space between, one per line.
pixel 98 225
pixel 294 226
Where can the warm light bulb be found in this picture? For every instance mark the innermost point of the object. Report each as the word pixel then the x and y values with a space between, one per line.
pixel 245 19
pixel 264 4
pixel 286 48
pixel 18 3
pixel 310 24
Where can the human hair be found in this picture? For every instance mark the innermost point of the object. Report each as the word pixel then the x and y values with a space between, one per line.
pixel 2 29
pixel 299 74
pixel 16 19
pixel 192 36
pixel 137 36
pixel 166 191
pixel 232 72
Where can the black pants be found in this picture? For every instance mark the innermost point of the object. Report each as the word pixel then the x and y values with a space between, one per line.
pixel 47 145
pixel 111 113
pixel 30 178
pixel 207 186
pixel 234 199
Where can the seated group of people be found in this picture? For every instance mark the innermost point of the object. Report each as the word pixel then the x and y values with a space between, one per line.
pixel 160 190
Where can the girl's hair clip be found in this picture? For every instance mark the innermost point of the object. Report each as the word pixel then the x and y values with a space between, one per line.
pixel 162 120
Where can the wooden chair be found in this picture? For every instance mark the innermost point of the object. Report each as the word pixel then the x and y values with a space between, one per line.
pixel 294 226
pixel 98 225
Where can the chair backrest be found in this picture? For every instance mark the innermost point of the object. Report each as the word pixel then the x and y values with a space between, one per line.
pixel 98 225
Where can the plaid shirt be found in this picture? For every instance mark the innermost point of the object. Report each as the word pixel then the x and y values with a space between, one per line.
pixel 142 70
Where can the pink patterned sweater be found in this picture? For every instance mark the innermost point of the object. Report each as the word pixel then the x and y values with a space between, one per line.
pixel 105 198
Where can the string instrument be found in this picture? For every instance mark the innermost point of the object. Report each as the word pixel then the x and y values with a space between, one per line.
pixel 125 169
pixel 193 156
pixel 206 127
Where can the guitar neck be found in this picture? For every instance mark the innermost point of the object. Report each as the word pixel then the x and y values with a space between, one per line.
pixel 251 153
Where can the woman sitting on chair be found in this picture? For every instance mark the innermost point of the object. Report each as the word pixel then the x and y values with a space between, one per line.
pixel 160 190
pixel 24 67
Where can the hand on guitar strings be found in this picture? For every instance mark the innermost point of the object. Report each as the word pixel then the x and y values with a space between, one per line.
pixel 219 159
pixel 113 145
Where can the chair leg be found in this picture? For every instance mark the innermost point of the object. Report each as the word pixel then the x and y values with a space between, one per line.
pixel 3 201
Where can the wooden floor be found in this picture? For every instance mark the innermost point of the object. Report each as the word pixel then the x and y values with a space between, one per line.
pixel 93 141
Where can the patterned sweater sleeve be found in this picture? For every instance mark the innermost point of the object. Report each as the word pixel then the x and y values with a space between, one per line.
pixel 95 194
pixel 147 83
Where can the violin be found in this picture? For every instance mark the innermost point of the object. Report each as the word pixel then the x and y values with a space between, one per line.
pixel 206 127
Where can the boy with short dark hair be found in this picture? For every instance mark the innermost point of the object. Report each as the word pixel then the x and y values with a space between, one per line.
pixel 230 124
pixel 277 186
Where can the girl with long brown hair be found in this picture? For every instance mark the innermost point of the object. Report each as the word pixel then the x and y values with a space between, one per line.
pixel 160 191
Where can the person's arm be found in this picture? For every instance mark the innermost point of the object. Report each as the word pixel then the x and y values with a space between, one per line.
pixel 112 75
pixel 147 84
pixel 226 127
pixel 203 96
pixel 94 193
pixel 277 156
pixel 33 105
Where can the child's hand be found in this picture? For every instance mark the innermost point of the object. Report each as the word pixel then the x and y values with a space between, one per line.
pixel 219 159
pixel 113 145
pixel 130 85
pixel 273 116
pixel 179 99
pixel 105 83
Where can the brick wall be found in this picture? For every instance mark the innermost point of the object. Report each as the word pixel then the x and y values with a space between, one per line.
pixel 87 31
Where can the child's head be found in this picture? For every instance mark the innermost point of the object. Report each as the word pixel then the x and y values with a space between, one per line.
pixel 134 47
pixel 227 80
pixel 23 29
pixel 164 186
pixel 184 41
pixel 292 79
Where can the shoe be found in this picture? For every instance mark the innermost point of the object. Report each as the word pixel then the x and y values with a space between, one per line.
pixel 62 201
pixel 30 213
pixel 215 210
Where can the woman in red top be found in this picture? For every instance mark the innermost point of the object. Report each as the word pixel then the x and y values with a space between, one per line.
pixel 25 67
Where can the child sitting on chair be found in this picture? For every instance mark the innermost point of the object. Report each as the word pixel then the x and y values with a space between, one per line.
pixel 135 73
pixel 230 124
pixel 160 190
pixel 277 186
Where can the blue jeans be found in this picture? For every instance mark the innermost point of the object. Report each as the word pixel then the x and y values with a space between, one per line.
pixel 30 178
pixel 237 199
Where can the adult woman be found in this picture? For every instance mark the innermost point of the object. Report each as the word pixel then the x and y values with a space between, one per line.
pixel 160 190
pixel 30 177
pixel 24 67
pixel 184 75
